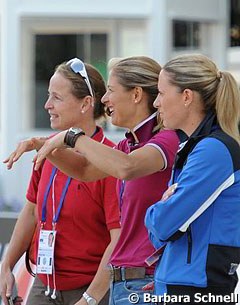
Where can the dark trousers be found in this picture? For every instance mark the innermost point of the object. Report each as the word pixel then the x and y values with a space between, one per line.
pixel 64 297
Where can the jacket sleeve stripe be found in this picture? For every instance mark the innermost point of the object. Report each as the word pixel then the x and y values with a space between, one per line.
pixel 227 183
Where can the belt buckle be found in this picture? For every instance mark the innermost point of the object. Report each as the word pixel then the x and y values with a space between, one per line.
pixel 111 268
pixel 113 273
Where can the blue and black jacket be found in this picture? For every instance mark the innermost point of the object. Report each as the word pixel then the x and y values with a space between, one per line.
pixel 200 222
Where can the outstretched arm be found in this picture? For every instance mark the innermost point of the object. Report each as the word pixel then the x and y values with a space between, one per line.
pixel 108 161
pixel 77 166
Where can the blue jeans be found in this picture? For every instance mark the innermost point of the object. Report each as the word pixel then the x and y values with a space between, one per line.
pixel 130 292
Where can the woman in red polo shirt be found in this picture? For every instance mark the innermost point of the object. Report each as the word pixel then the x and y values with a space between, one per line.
pixel 81 218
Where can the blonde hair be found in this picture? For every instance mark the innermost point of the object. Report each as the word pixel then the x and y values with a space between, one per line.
pixel 218 89
pixel 113 61
pixel 138 71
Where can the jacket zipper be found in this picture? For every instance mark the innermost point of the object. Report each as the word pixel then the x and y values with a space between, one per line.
pixel 189 252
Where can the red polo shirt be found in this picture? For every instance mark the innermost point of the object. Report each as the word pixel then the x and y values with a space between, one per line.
pixel 90 210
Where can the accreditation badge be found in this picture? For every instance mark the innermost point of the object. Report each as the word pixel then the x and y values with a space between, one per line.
pixel 45 255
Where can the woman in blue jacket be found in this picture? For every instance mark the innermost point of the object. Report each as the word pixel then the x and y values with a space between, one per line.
pixel 199 224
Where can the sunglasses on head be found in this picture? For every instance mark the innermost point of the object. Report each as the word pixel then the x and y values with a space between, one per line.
pixel 78 67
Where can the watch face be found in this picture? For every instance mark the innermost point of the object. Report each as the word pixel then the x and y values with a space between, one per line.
pixel 92 301
pixel 76 130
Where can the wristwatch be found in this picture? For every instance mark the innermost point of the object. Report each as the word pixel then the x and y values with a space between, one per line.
pixel 89 300
pixel 72 135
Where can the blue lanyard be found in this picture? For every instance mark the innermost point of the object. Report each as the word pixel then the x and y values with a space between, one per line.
pixel 44 206
pixel 121 195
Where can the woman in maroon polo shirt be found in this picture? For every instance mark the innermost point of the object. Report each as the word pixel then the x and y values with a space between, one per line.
pixel 142 163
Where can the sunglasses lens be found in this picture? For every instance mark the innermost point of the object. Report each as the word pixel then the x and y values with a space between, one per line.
pixel 77 66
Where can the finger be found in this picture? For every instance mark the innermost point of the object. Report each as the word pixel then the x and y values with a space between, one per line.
pixel 174 186
pixel 10 162
pixel 171 190
pixel 14 158
pixel 10 165
pixel 17 155
pixel 34 158
pixel 168 194
pixel 37 165
pixel 9 157
pixel 42 153
pixel 6 160
pixel 164 198
pixel 38 161
pixel 165 195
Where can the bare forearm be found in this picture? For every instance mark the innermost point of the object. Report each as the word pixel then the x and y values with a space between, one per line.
pixel 21 237
pixel 68 161
pixel 74 165
pixel 113 162
pixel 140 162
pixel 102 160
pixel 101 281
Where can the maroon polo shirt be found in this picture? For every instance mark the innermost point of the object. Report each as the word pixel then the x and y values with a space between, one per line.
pixel 138 194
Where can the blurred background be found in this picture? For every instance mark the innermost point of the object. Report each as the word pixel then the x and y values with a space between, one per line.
pixel 36 35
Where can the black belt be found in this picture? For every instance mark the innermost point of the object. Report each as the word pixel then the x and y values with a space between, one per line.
pixel 127 273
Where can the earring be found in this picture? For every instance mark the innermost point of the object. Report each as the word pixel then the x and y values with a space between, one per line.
pixel 82 111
